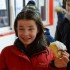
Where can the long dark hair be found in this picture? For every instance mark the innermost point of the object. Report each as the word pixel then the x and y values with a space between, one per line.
pixel 31 14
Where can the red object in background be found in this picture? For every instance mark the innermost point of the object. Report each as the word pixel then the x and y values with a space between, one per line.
pixel 51 12
pixel 6 34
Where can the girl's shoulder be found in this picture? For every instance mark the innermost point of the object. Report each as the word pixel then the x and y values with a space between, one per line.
pixel 7 49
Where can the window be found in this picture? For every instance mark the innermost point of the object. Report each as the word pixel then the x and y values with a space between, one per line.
pixel 46 9
pixel 4 13
pixel 18 6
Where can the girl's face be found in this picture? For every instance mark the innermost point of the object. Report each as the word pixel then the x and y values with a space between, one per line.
pixel 27 31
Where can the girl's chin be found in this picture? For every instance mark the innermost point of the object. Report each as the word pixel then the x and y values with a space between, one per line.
pixel 27 43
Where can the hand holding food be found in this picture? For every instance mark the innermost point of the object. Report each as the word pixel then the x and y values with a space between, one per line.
pixel 57 47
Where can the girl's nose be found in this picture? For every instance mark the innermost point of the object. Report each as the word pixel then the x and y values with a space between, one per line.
pixel 26 32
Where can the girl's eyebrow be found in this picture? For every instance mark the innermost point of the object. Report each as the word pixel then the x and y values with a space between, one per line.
pixel 28 26
pixel 20 26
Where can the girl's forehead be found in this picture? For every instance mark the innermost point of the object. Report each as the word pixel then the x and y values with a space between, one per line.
pixel 26 22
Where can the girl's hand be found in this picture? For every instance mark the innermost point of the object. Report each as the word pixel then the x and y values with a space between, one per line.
pixel 62 61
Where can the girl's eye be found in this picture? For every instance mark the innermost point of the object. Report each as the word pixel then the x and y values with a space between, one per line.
pixel 31 29
pixel 21 29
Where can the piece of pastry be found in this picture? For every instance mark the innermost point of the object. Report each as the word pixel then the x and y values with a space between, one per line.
pixel 57 47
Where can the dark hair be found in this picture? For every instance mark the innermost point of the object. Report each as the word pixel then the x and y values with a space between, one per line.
pixel 64 4
pixel 31 14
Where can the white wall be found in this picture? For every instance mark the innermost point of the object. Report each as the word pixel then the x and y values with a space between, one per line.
pixel 6 41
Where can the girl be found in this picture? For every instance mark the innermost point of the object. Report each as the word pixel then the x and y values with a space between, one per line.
pixel 30 51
